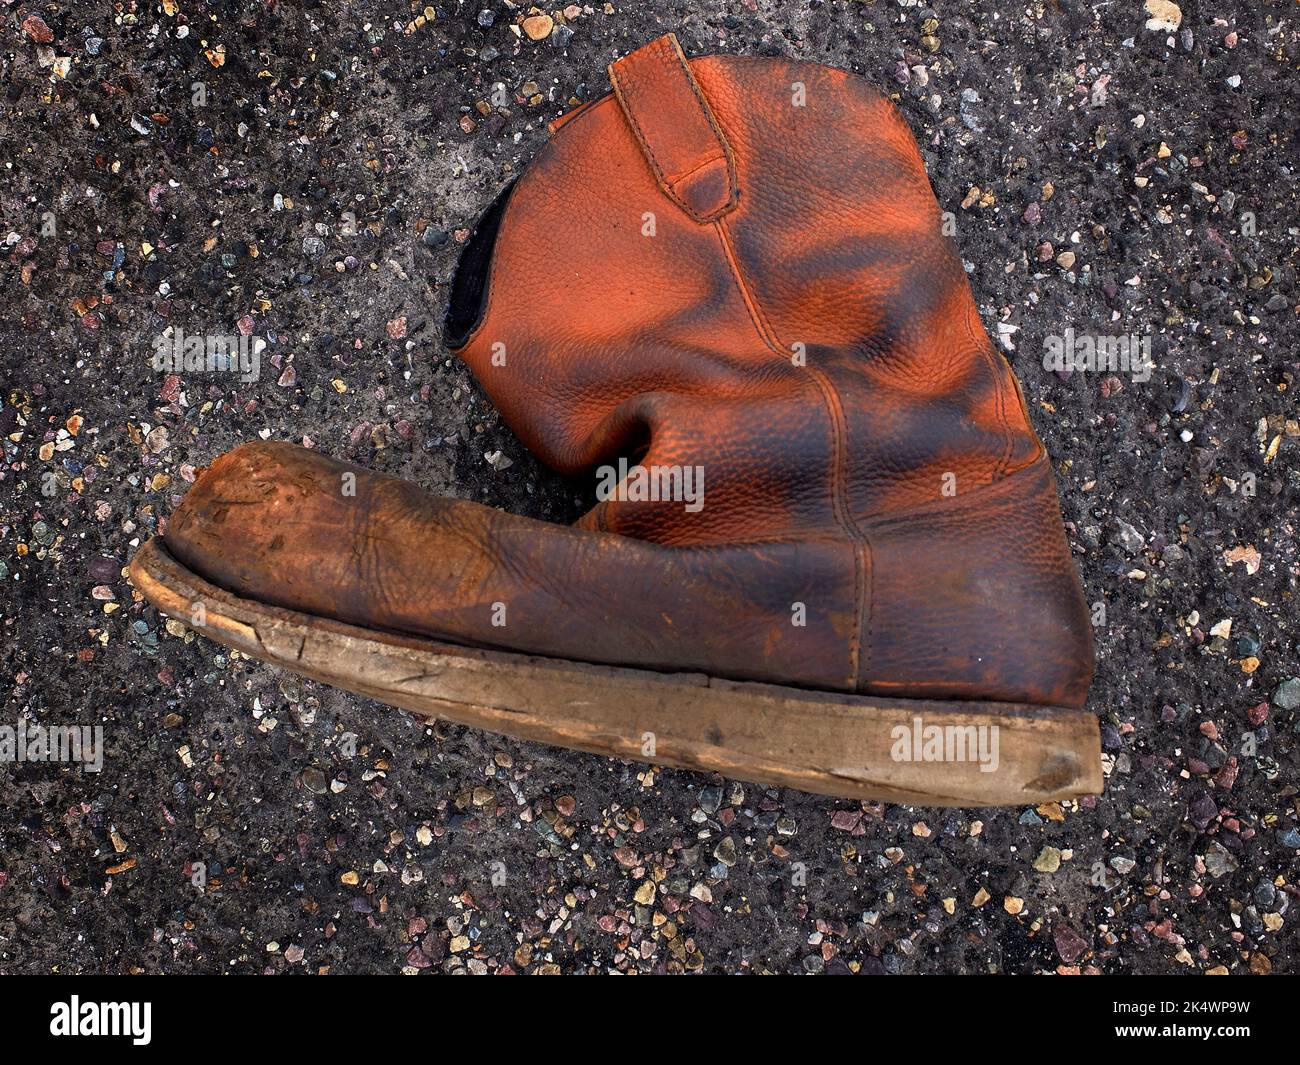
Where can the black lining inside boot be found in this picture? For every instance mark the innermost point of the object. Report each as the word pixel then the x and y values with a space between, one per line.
pixel 469 288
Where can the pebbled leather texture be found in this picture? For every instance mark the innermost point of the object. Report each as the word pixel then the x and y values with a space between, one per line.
pixel 734 264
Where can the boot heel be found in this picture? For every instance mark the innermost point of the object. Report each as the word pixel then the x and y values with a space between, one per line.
pixel 915 751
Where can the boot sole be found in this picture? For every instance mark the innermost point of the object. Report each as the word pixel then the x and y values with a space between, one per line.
pixel 854 746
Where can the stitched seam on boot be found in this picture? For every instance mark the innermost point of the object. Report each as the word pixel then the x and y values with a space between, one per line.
pixel 860 648
pixel 998 389
pixel 719 158
pixel 1022 405
pixel 844 514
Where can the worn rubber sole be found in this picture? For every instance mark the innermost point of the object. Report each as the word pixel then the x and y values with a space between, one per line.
pixel 862 747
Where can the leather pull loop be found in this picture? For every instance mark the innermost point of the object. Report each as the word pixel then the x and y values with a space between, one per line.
pixel 676 129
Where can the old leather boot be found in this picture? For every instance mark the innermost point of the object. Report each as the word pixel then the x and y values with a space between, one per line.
pixel 729 274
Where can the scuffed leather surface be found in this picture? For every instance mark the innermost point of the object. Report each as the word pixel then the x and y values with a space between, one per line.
pixel 270 522
pixel 823 480
pixel 969 599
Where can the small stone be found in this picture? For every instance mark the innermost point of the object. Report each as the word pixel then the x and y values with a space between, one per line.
pixel 1069 944
pixel 103 569
pixel 1218 860
pixel 1287 694
pixel 1048 860
pixel 710 799
pixel 1065 260
pixel 1013 905
pixel 725 851
pixel 1247 554
pixel 1245 646
pixel 1202 811
pixel 35 28
pixel 846 820
pixel 1165 16
pixel 1129 537
pixel 645 894
pixel 538 27
pixel 158 440
pixel 981 897
pixel 314 781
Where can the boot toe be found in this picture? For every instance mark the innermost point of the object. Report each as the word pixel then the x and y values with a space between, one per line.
pixel 256 515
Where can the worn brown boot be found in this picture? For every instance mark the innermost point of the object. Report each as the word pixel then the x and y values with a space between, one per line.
pixel 830 552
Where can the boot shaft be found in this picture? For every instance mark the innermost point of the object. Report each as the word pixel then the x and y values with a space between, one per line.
pixel 784 315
